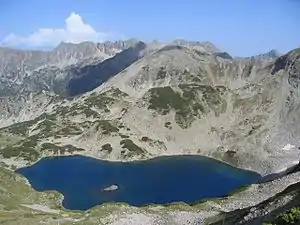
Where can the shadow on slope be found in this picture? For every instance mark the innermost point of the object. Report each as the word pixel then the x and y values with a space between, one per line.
pixel 273 176
pixel 90 77
pixel 265 211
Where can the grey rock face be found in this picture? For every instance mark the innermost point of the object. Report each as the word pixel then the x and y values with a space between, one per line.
pixel 271 55
pixel 42 73
pixel 45 70
pixel 17 66
pixel 268 56
pixel 203 46
pixel 89 77
pixel 82 76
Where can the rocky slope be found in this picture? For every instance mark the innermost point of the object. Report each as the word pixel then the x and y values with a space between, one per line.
pixel 44 74
pixel 266 212
pixel 16 65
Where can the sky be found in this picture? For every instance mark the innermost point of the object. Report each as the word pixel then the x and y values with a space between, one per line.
pixel 240 27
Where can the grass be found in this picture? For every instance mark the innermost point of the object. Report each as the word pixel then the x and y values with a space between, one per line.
pixel 99 101
pixel 107 147
pixel 28 149
pixel 204 200
pixel 60 149
pixel 230 153
pixel 165 98
pixel 51 147
pixel 106 126
pixel 103 100
pixel 211 97
pixel 48 128
pixel 27 153
pixel 62 110
pixel 15 192
pixel 294 53
pixel 162 73
pixel 7 139
pixel 90 113
pixel 191 102
pixel 196 79
pixel 124 136
pixel 132 147
pixel 290 217
pixel 116 92
pixel 145 139
pixel 21 129
pixel 69 130
pixel 25 149
pixel 239 190
pixel 47 116
pixel 168 125
pixel 230 157
pixel 246 103
pixel 45 127
pixel 30 142
pixel 78 109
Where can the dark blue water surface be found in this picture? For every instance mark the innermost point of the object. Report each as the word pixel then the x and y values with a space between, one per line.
pixel 161 180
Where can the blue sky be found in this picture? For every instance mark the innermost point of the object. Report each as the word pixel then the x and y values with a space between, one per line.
pixel 241 27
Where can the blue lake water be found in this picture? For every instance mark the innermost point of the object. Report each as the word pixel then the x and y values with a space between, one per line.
pixel 161 180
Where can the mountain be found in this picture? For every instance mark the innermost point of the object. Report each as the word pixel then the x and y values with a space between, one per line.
pixel 271 55
pixel 268 56
pixel 134 100
pixel 16 65
pixel 204 46
pixel 59 72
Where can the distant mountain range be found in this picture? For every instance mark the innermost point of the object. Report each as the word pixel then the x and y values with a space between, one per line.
pixel 271 55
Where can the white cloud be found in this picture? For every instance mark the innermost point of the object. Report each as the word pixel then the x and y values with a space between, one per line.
pixel 75 30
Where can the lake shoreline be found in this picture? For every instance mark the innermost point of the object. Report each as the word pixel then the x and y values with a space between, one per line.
pixel 24 164
pixel 179 175
pixel 264 168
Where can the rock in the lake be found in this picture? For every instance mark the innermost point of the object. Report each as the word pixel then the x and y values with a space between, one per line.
pixel 111 188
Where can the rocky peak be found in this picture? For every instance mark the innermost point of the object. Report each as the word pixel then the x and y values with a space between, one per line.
pixel 287 61
pixel 223 55
pixel 90 77
pixel 86 47
pixel 271 55
pixel 45 66
pixel 204 46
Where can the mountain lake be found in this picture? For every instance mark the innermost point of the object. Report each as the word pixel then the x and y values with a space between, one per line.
pixel 86 182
